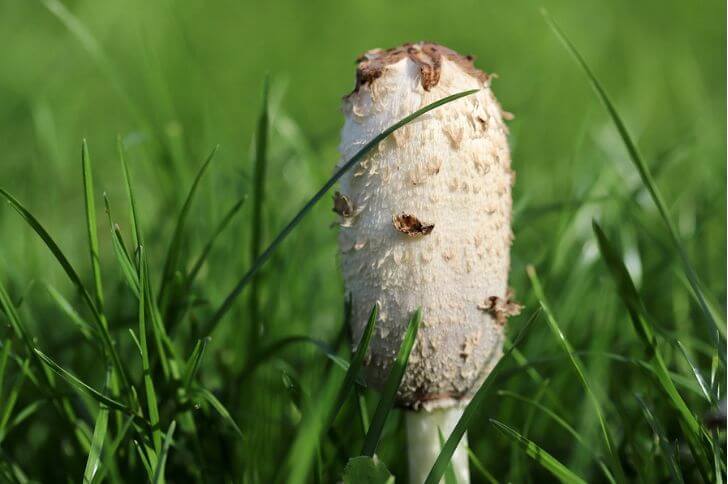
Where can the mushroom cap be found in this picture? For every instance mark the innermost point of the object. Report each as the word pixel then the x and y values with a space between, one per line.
pixel 428 220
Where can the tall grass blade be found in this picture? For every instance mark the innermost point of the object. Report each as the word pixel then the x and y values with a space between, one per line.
pixel 193 364
pixel 546 460
pixel 136 228
pixel 667 450
pixel 265 255
pixel 256 221
pixel 581 372
pixel 152 408
pixel 211 399
pixel 93 240
pixel 122 255
pixel 386 401
pixel 647 180
pixel 175 246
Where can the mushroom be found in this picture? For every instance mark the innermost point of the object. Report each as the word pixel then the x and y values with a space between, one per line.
pixel 429 226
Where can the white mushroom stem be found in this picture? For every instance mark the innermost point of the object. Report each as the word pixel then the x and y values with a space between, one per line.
pixel 423 443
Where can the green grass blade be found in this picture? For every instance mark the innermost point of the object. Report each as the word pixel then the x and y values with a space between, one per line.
pixel 93 240
pixel 706 390
pixel 25 413
pixel 97 441
pixel 265 255
pixel 447 451
pixel 564 425
pixel 86 329
pixel 356 362
pixel 581 372
pixel 449 477
pixel 481 468
pixel 122 255
pixel 211 242
pixel 75 279
pixel 136 228
pixel 647 180
pixel 667 450
pixel 211 399
pixel 11 398
pixel 193 364
pixel 4 356
pixel 175 246
pixel 546 460
pixel 386 401
pixel 159 471
pixel 79 385
pixel 152 408
pixel 256 221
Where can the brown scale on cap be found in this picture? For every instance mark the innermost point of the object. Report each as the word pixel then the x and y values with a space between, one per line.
pixel 427 55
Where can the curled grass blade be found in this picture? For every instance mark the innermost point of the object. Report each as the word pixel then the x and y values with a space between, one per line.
pixel 97 441
pixel 546 460
pixel 447 451
pixel 75 279
pixel 265 255
pixel 212 400
pixel 581 372
pixel 648 181
pixel 386 401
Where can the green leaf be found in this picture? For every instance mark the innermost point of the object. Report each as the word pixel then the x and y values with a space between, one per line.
pixel 86 329
pixel 366 470
pixel 97 442
pixel 581 372
pixel 647 179
pixel 265 255
pixel 386 401
pixel 122 255
pixel 450 477
pixel 546 460
pixel 136 228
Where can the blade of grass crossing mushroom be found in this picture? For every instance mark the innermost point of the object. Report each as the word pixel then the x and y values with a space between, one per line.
pixel 450 477
pixel 97 441
pixel 75 279
pixel 386 401
pixel 175 246
pixel 546 460
pixel 647 180
pixel 356 362
pixel 265 255
pixel 667 451
pixel 447 451
pixel 581 372
pixel 152 408
pixel 256 221
pixel 159 471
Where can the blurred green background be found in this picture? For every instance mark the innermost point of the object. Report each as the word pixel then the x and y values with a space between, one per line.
pixel 174 78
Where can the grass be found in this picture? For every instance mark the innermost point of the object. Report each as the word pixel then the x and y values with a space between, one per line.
pixel 196 330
